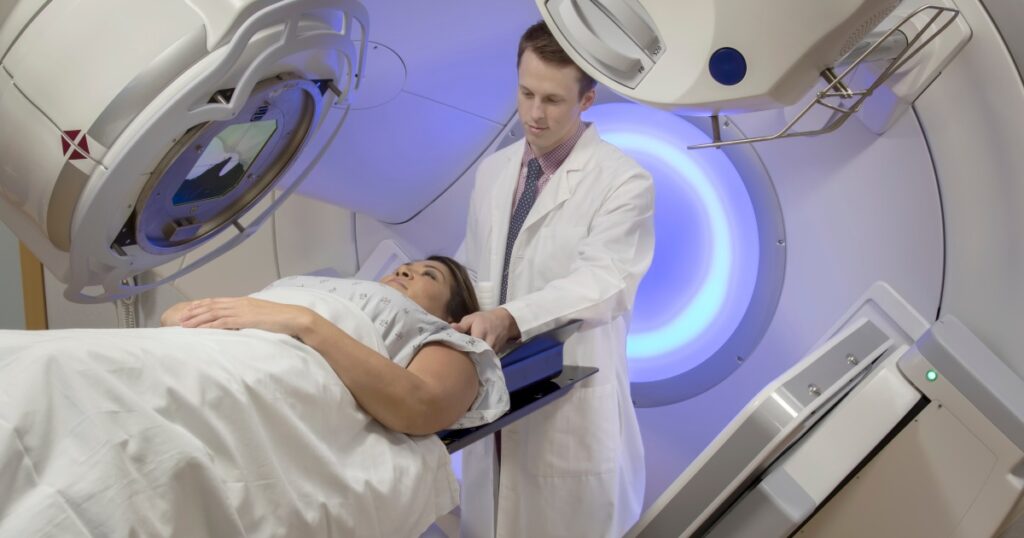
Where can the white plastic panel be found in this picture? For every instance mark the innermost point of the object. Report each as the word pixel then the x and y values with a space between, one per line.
pixel 63 314
pixel 895 97
pixel 86 55
pixel 313 235
pixel 1010 14
pixel 35 152
pixel 439 229
pixel 391 161
pixel 921 485
pixel 782 54
pixel 875 330
pixel 600 41
pixel 460 54
pixel 13 16
pixel 384 259
pixel 976 147
pixel 847 435
pixel 384 80
pixel 857 208
pixel 441 226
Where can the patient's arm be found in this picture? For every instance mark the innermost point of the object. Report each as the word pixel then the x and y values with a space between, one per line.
pixel 435 390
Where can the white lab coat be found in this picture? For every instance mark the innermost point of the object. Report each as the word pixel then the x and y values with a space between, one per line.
pixel 574 468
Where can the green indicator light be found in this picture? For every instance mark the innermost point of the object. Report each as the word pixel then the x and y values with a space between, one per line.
pixel 932 375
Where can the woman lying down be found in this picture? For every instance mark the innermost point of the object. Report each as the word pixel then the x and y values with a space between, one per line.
pixel 314 419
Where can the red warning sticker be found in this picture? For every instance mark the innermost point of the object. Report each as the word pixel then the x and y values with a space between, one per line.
pixel 73 152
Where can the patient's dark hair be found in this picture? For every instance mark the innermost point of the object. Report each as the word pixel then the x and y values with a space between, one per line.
pixel 463 299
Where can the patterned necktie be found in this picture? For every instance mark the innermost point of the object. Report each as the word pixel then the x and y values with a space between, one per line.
pixel 533 173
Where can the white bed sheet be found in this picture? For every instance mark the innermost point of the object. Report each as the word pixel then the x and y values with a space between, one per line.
pixel 201 433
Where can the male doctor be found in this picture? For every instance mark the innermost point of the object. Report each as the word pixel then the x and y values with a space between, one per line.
pixel 560 228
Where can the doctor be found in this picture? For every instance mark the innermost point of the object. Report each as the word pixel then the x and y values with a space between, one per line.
pixel 560 228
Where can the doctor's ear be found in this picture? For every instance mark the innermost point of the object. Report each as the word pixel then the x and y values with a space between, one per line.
pixel 588 99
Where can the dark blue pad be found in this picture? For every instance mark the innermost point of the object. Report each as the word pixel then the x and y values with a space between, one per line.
pixel 539 359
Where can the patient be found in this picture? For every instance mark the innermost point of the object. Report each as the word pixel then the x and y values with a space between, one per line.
pixel 196 431
pixel 432 375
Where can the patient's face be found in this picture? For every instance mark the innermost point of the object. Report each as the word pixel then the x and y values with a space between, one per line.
pixel 426 282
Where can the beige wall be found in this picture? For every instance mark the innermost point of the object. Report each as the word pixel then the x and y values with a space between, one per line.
pixel 12 305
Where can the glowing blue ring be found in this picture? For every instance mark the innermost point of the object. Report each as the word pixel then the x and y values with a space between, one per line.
pixel 706 305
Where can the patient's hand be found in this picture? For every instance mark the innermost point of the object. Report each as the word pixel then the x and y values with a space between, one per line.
pixel 495 326
pixel 172 316
pixel 247 313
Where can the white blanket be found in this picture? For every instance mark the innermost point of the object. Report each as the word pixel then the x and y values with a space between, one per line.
pixel 201 433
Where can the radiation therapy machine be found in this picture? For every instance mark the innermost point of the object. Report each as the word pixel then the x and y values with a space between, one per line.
pixel 836 147
pixel 893 425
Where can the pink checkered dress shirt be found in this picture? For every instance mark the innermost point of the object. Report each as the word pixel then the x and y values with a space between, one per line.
pixel 549 163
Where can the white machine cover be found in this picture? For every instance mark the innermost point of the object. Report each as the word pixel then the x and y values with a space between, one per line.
pixel 202 433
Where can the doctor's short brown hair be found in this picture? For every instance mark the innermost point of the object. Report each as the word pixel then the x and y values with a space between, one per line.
pixel 542 42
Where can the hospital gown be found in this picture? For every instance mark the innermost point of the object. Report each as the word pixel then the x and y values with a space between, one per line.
pixel 213 433
pixel 404 328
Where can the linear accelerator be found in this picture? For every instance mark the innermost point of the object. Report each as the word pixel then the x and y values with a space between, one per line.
pixel 136 155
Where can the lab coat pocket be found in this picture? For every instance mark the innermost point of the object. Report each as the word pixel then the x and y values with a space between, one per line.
pixel 581 434
pixel 558 247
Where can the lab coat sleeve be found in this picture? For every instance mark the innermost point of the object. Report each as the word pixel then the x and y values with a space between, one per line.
pixel 469 250
pixel 609 263
pixel 470 253
pixel 461 254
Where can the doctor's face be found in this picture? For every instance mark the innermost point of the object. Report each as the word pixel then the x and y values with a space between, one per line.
pixel 549 101
pixel 427 282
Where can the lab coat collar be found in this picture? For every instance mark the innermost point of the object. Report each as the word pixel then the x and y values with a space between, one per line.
pixel 564 181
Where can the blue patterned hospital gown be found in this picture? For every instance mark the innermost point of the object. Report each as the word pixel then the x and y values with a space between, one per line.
pixel 405 327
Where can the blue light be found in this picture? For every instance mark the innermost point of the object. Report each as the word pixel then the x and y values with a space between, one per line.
pixel 706 248
pixel 698 315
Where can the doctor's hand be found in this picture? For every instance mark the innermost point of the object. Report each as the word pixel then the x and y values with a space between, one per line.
pixel 495 326
pixel 247 313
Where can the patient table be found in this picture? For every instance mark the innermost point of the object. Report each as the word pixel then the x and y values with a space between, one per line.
pixel 535 377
